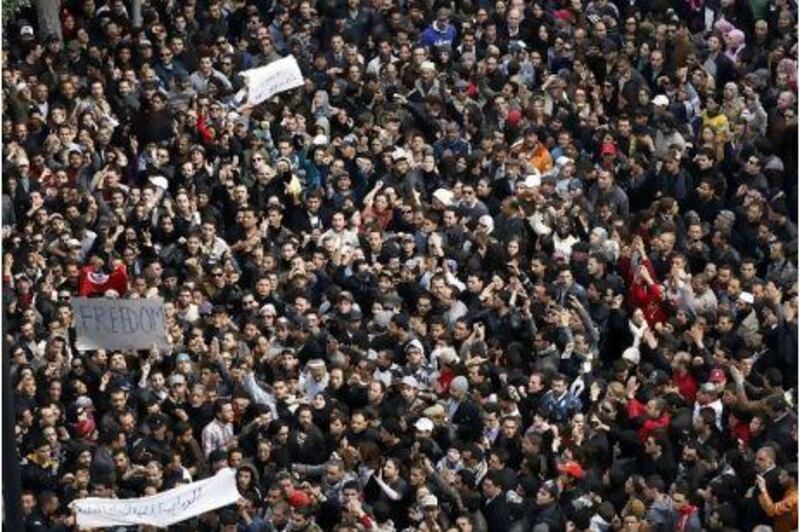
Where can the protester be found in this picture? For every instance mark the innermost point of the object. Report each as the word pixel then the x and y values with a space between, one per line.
pixel 494 266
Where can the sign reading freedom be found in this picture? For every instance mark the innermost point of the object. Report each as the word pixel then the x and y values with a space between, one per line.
pixel 163 509
pixel 120 323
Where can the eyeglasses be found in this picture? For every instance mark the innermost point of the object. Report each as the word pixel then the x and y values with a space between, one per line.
pixel 217 274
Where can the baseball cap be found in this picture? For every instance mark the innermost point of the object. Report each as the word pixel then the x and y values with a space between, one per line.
pixel 661 101
pixel 631 355
pixel 413 344
pixel 565 15
pixel 436 410
pixel 183 357
pixel 429 501
pixel 532 181
pixel 443 195
pixel 26 31
pixel 571 468
pixel 424 424
pixel 708 387
pixel 459 384
pixel 157 421
pixel 299 499
pixel 410 381
pixel 717 376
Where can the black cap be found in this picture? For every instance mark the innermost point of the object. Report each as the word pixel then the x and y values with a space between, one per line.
pixel 156 421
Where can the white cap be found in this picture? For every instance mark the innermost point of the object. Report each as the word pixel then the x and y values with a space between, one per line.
pixel 160 182
pixel 429 501
pixel 661 100
pixel 444 195
pixel 746 297
pixel 532 180
pixel 563 161
pixel 632 355
pixel 428 65
pixel 424 424
pixel 410 381
pixel 446 355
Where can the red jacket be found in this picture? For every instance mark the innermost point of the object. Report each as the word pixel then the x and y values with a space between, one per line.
pixel 650 300
pixel 687 385
pixel 637 409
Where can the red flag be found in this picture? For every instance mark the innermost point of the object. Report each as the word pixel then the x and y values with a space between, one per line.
pixel 95 283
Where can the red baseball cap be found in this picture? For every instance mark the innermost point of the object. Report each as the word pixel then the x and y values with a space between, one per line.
pixel 717 376
pixel 514 118
pixel 298 499
pixel 571 468
pixel 608 149
pixel 563 14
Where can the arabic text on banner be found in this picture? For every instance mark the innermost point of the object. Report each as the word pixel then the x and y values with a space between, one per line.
pixel 163 509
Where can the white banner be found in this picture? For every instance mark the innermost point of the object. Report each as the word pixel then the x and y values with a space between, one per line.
pixel 103 323
pixel 163 509
pixel 265 82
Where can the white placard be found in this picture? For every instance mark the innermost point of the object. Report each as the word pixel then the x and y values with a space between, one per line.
pixel 163 509
pixel 103 323
pixel 265 82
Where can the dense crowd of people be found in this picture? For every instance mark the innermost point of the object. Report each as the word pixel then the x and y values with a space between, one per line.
pixel 500 266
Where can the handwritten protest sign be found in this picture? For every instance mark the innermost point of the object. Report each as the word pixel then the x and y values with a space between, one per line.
pixel 163 509
pixel 119 323
pixel 265 82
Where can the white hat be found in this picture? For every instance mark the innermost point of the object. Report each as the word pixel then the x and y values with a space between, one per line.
pixel 444 195
pixel 424 424
pixel 429 501
pixel 428 65
pixel 661 101
pixel 632 355
pixel 447 355
pixel 746 297
pixel 563 161
pixel 532 180
pixel 160 181
pixel 26 31
pixel 399 153
pixel 410 381
pixel 320 140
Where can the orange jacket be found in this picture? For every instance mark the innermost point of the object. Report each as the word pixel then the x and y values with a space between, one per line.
pixel 783 512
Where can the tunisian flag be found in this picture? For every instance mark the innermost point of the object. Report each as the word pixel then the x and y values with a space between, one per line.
pixel 93 282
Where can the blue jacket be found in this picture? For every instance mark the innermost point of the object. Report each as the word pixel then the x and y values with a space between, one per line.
pixel 433 37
